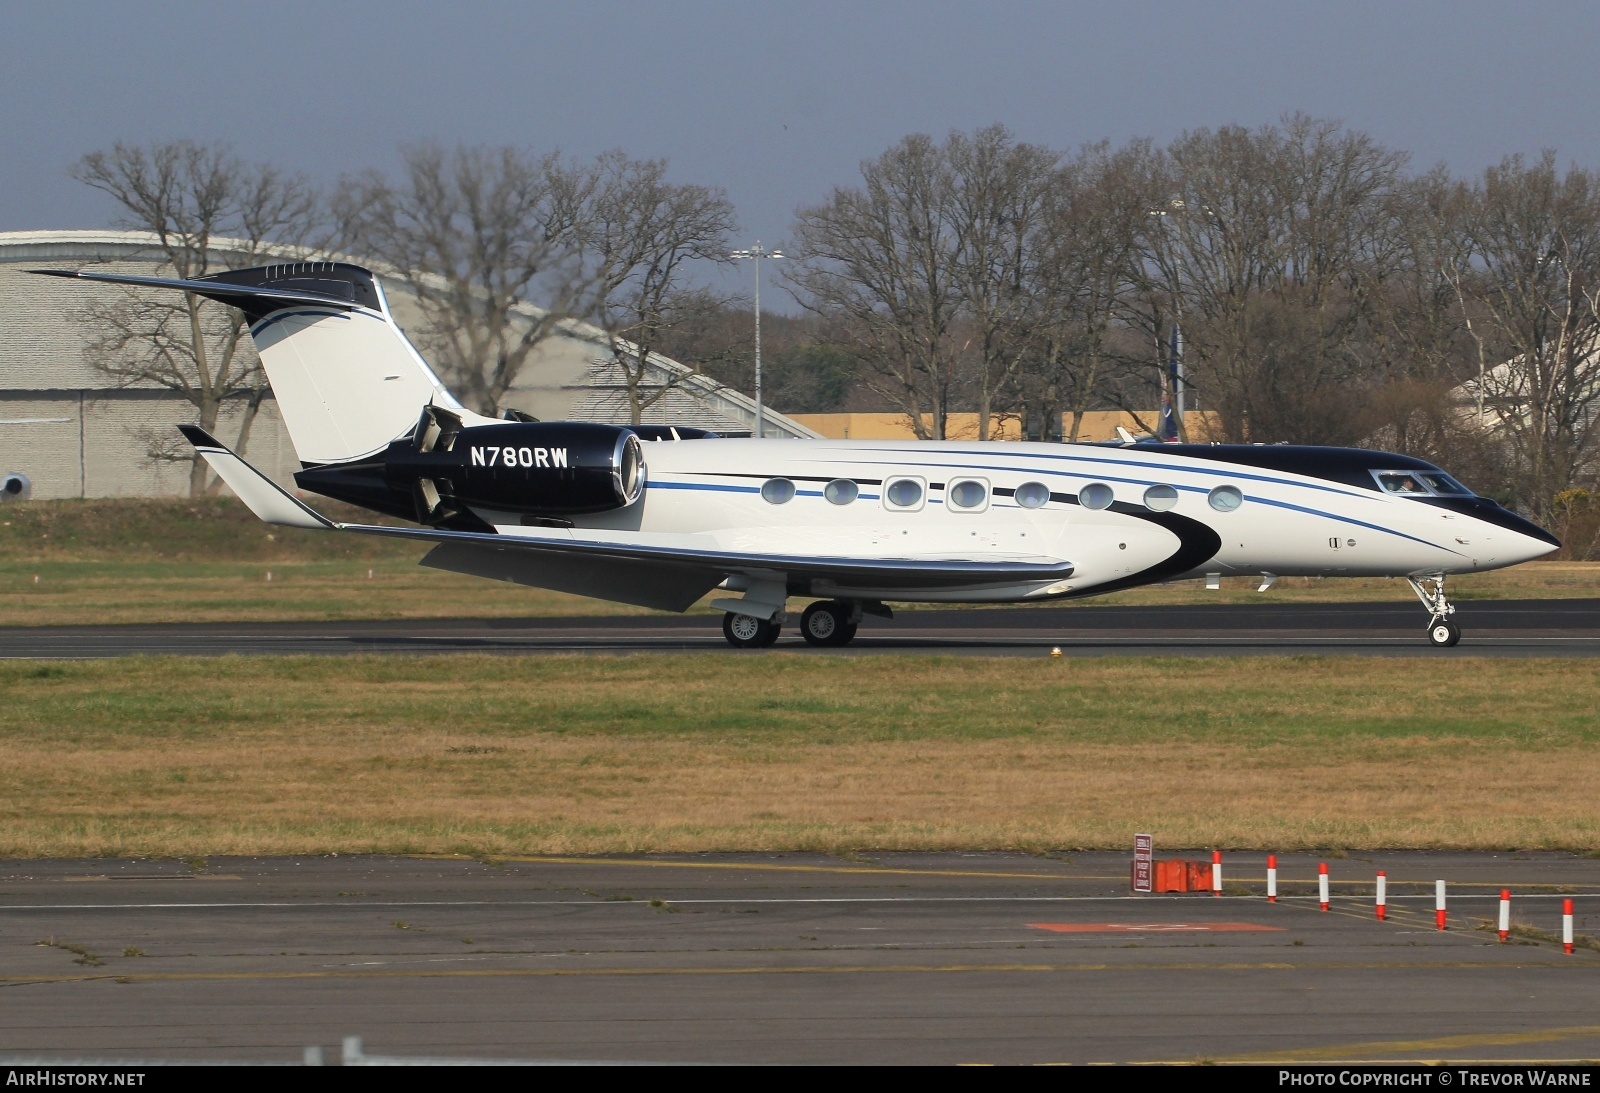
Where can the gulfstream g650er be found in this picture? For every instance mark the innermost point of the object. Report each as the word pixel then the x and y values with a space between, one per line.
pixel 588 509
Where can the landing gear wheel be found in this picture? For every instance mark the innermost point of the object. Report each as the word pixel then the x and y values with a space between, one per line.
pixel 749 632
pixel 1444 633
pixel 828 622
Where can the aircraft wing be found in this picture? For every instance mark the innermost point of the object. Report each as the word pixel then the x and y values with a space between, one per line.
pixel 663 573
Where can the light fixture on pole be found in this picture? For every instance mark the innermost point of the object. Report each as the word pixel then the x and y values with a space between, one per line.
pixel 758 252
pixel 1173 383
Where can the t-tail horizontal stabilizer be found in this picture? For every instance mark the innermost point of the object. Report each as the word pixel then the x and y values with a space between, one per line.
pixel 254 300
pixel 264 497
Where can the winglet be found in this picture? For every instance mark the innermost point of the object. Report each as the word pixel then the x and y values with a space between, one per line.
pixel 264 497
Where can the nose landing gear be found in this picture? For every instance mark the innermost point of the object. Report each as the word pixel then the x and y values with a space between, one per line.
pixel 1442 631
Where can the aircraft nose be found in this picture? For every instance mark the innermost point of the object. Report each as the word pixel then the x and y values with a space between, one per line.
pixel 1520 540
pixel 1525 548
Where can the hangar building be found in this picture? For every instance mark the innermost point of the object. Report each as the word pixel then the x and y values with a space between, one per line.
pixel 77 432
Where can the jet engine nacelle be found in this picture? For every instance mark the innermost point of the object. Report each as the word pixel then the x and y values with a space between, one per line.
pixel 444 470
pixel 555 468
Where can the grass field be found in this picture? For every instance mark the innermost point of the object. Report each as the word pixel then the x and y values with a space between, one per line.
pixel 498 755
pixel 85 562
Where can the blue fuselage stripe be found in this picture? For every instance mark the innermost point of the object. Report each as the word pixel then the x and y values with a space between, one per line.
pixel 721 488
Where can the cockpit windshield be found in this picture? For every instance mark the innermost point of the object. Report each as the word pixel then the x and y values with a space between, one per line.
pixel 1420 484
pixel 1445 485
pixel 1404 483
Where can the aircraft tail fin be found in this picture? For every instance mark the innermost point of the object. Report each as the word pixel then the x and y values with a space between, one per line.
pixel 345 377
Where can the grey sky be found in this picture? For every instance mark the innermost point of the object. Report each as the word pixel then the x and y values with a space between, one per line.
pixel 777 102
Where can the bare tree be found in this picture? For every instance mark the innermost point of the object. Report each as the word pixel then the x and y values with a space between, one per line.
pixel 192 198
pixel 1535 235
pixel 1081 279
pixel 998 193
pixel 804 370
pixel 878 262
pixel 1280 242
pixel 642 235
pixel 1419 344
pixel 478 235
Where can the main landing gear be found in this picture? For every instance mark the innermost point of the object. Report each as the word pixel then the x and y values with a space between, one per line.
pixel 830 622
pixel 826 622
pixel 1442 630
pixel 749 632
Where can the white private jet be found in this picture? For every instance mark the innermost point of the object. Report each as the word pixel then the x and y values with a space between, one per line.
pixel 576 506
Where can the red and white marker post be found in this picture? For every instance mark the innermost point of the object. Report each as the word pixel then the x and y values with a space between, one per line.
pixel 1566 926
pixel 1216 872
pixel 1383 895
pixel 1322 884
pixel 1272 878
pixel 1505 914
pixel 1438 904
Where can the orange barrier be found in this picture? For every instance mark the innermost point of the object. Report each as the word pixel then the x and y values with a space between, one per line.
pixel 1182 875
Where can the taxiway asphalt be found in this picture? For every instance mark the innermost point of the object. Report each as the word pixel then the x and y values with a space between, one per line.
pixel 923 958
pixel 1498 628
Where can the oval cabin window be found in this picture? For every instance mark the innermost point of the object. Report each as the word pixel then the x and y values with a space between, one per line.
pixel 841 491
pixel 968 494
pixel 1160 498
pixel 1225 498
pixel 777 491
pixel 904 493
pixel 1033 495
pixel 1096 495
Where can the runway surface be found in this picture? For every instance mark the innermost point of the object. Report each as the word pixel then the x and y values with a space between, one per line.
pixel 1499 628
pixel 922 958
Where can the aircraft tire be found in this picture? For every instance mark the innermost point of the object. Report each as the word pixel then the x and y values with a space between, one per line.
pixel 827 622
pixel 749 632
pixel 1443 633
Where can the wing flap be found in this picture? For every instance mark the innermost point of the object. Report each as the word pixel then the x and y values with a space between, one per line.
pixel 663 587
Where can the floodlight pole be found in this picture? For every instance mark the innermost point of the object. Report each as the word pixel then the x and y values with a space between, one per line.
pixel 757 253
pixel 1173 382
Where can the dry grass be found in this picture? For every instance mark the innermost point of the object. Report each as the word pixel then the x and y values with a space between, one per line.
pixel 508 755
pixel 99 593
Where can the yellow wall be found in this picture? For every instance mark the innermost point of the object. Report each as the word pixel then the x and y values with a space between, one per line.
pixel 1097 425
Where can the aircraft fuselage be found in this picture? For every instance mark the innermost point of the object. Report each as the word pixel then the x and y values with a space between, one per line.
pixel 1167 518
